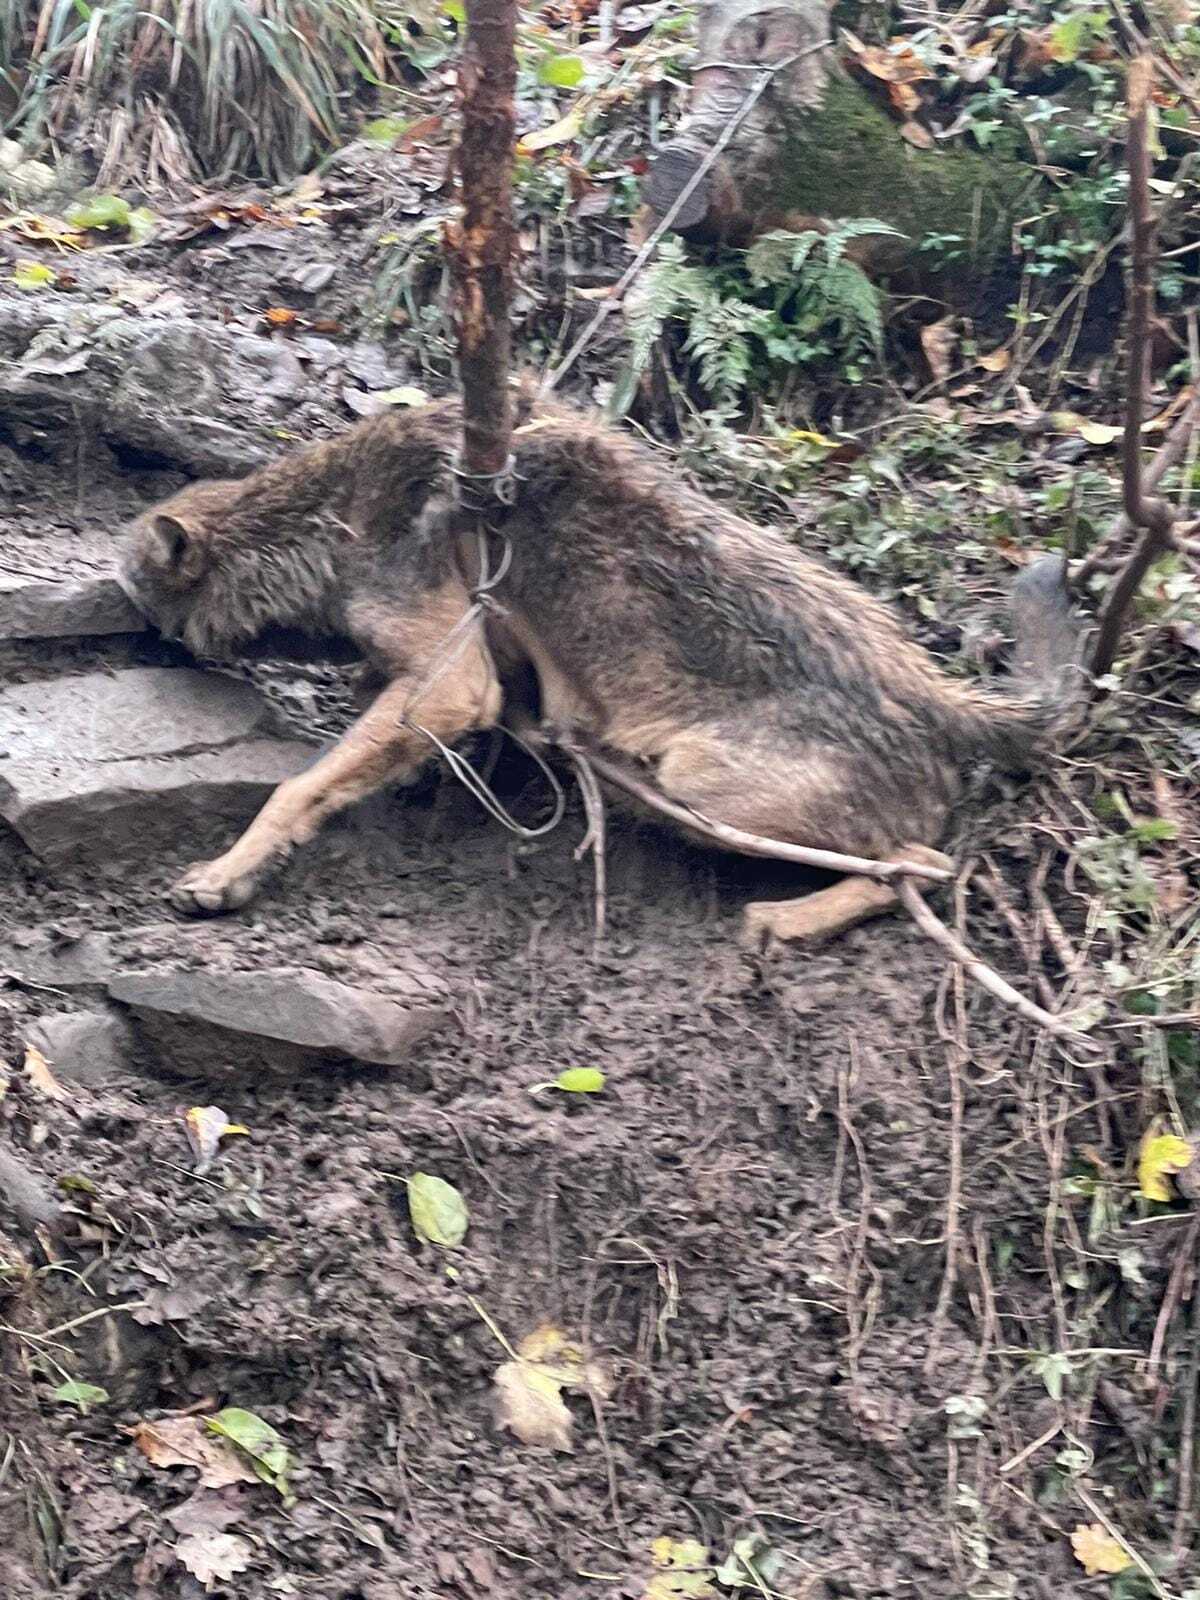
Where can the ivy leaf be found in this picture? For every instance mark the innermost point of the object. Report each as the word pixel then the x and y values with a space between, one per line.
pixel 438 1211
pixel 82 1395
pixel 1161 1156
pixel 580 1080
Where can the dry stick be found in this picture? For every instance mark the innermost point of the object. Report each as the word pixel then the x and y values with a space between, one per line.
pixel 748 844
pixel 1154 517
pixel 482 244
pixel 933 928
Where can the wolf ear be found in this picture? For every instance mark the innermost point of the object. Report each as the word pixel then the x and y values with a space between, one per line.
pixel 173 539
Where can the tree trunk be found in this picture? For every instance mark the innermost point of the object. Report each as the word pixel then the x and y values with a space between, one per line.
pixel 816 146
pixel 482 243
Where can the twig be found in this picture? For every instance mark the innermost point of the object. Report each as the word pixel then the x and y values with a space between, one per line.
pixel 1184 1258
pixel 748 844
pixel 1106 1522
pixel 1153 516
pixel 595 839
pixel 987 978
pixel 956 1052
pixel 1185 1507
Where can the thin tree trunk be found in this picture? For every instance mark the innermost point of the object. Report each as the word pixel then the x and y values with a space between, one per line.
pixel 482 243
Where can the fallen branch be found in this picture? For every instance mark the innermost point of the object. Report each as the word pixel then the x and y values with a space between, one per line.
pixel 933 928
pixel 1152 516
pixel 746 844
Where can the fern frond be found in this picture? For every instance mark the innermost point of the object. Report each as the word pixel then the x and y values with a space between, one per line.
pixel 855 228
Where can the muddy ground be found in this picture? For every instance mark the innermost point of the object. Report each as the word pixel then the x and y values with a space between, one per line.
pixel 749 1225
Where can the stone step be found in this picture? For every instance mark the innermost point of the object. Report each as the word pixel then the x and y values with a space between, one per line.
pixel 111 767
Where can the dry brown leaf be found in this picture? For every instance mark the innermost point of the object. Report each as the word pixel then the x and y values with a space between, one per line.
pixel 996 360
pixel 41 1079
pixel 903 98
pixel 280 316
pixel 214 1557
pixel 939 341
pixel 185 1442
pixel 529 1390
pixel 1097 1551
pixel 898 64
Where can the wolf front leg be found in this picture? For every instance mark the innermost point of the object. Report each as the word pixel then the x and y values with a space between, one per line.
pixel 386 745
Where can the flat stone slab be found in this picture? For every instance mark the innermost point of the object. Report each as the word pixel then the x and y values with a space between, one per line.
pixel 58 588
pixel 112 766
pixel 282 1019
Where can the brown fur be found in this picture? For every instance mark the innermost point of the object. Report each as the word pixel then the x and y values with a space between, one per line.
pixel 754 683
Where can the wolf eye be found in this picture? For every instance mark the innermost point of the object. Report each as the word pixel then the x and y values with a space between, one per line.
pixel 174 538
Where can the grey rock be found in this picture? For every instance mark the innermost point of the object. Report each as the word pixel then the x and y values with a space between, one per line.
pixel 223 1024
pixel 112 767
pixel 45 960
pixel 89 1047
pixel 39 609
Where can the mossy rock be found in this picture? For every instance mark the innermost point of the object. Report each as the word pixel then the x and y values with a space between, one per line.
pixel 847 158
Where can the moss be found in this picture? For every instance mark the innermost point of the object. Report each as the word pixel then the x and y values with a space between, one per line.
pixel 846 158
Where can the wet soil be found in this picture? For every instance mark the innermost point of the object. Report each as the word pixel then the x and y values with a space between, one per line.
pixel 749 1223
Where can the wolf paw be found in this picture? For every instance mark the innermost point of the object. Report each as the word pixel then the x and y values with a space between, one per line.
pixel 209 887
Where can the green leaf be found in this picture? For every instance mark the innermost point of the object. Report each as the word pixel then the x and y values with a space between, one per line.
pixel 385 130
pixel 580 1080
pixel 100 212
pixel 259 1441
pixel 82 1395
pixel 751 1564
pixel 455 10
pixel 560 72
pixel 33 275
pixel 438 1211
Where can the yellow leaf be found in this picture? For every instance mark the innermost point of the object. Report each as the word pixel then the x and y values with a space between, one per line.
pixel 529 1390
pixel 1097 1551
pixel 808 436
pixel 560 132
pixel 43 1081
pixel 1160 1157
pixel 684 1568
pixel 206 1127
pixel 1098 432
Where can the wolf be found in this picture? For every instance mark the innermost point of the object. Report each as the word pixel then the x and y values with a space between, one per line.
pixel 744 679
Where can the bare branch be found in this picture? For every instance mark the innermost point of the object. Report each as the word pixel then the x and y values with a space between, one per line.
pixel 1152 516
pixel 482 243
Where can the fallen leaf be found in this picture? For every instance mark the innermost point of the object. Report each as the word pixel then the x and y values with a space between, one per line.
pixel 280 316
pixel 82 1395
pixel 752 1563
pixel 1098 432
pixel 406 395
pixel 683 1567
pixel 939 341
pixel 580 1080
pixel 560 132
pixel 33 275
pixel 46 230
pixel 214 1557
pixel 903 98
pixel 207 1511
pixel 101 212
pixel 998 360
pixel 1097 1551
pixel 1161 1156
pixel 438 1211
pixel 184 1442
pixel 529 1390
pixel 206 1127
pixel 896 64
pixel 41 1079
pixel 258 1441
